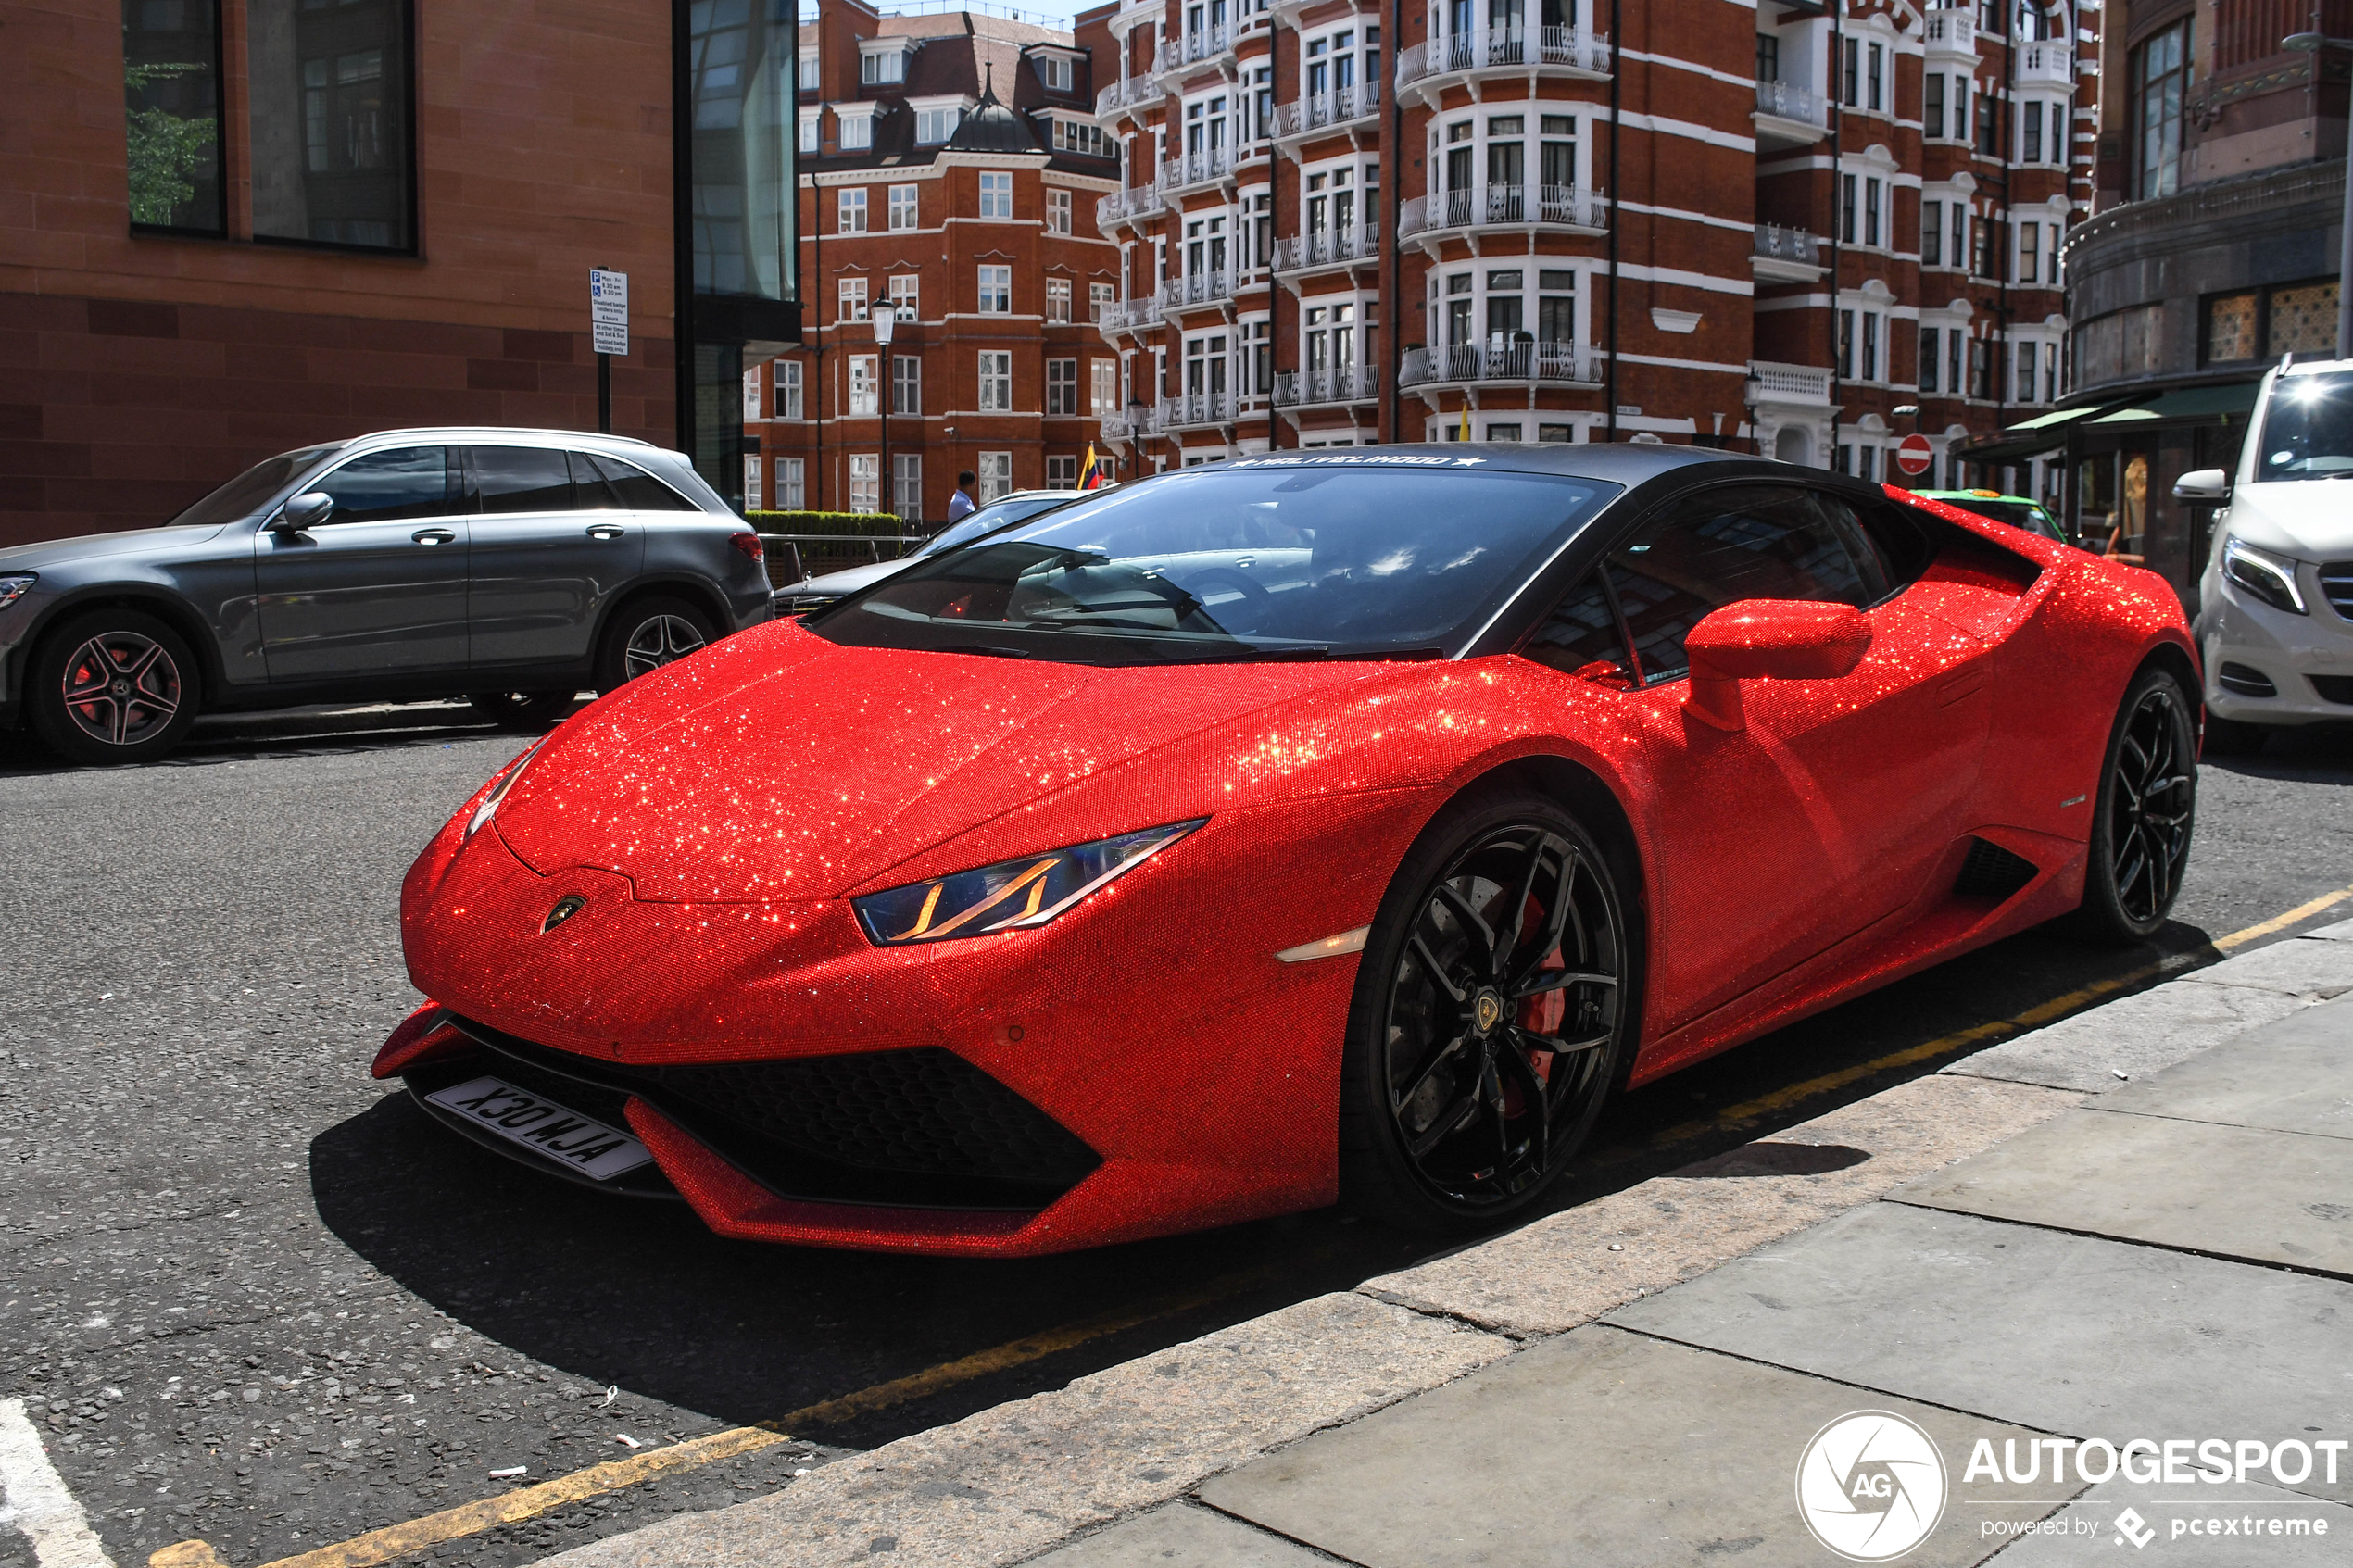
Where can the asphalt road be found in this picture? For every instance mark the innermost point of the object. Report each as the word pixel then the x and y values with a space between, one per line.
pixel 250 1296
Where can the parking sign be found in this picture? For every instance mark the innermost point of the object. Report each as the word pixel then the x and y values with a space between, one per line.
pixel 609 310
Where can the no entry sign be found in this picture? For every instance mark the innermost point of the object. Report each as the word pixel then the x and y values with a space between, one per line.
pixel 1914 455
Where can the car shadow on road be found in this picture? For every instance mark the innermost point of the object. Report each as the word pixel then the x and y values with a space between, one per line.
pixel 306 731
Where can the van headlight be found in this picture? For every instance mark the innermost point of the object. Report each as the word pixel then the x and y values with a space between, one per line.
pixel 2268 577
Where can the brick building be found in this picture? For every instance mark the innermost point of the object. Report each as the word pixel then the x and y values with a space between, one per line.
pixel 1341 221
pixel 951 165
pixel 232 227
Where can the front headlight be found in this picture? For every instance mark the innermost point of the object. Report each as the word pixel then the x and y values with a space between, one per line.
pixel 504 781
pixel 2269 577
pixel 15 586
pixel 1011 894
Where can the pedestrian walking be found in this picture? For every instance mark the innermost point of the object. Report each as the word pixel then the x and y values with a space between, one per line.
pixel 963 503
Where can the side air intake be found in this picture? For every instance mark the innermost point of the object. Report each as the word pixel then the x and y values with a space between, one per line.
pixel 1992 872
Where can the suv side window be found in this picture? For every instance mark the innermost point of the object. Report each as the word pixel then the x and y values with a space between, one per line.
pixel 633 487
pixel 1734 543
pixel 521 479
pixel 391 486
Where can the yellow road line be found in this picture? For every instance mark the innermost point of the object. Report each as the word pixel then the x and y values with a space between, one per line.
pixel 524 1502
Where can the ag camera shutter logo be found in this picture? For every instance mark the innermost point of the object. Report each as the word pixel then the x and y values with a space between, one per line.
pixel 1871 1486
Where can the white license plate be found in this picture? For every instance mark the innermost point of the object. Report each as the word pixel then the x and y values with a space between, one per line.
pixel 597 1151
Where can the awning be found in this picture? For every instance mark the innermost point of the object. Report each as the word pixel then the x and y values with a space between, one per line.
pixel 2232 400
pixel 2031 438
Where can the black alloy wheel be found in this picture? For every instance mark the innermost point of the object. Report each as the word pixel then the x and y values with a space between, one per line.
pixel 112 685
pixel 523 712
pixel 648 634
pixel 2146 807
pixel 1493 1016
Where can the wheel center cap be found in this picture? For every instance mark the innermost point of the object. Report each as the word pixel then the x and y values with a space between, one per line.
pixel 122 688
pixel 1486 1011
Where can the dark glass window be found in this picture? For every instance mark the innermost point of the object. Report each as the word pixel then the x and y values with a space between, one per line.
pixel 637 489
pixel 522 479
pixel 171 113
pixel 1768 57
pixel 1932 103
pixel 329 143
pixel 387 486
pixel 1740 542
pixel 1583 631
pixel 2158 82
pixel 589 490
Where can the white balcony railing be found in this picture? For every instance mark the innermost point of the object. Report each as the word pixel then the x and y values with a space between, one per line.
pixel 1196 409
pixel 1127 315
pixel 1505 48
pixel 2049 63
pixel 1194 48
pixel 1334 247
pixel 1791 383
pixel 1304 117
pixel 1790 101
pixel 1473 206
pixel 1353 384
pixel 1196 289
pixel 1188 170
pixel 1788 244
pixel 1134 202
pixel 1951 32
pixel 1525 361
pixel 1126 94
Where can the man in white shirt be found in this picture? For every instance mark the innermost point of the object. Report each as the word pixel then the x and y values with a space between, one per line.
pixel 962 504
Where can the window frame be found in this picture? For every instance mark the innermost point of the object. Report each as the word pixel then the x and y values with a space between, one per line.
pixel 404 30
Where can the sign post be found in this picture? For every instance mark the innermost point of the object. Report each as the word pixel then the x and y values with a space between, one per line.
pixel 608 332
pixel 1915 455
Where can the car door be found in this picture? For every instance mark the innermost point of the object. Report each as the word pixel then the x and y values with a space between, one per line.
pixel 1820 815
pixel 379 583
pixel 552 540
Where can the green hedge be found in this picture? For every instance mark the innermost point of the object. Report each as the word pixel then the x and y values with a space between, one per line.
pixel 850 525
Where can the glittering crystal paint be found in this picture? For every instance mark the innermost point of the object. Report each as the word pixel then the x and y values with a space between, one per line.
pixel 717 816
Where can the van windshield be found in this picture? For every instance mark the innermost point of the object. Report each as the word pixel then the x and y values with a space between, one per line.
pixel 2307 428
pixel 243 496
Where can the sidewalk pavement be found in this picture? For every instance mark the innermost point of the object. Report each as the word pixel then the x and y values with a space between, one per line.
pixel 2133 1224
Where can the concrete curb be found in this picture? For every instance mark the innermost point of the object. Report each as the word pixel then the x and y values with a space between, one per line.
pixel 1009 1484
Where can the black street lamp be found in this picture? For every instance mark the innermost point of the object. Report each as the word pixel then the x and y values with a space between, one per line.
pixel 887 389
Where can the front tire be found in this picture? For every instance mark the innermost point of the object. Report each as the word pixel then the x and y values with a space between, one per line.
pixel 648 635
pixel 1493 1015
pixel 2147 807
pixel 111 686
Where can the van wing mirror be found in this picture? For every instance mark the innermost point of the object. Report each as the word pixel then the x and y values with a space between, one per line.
pixel 1769 640
pixel 2212 486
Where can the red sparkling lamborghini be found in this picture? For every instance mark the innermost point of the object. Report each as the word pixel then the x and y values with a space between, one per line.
pixel 1334 826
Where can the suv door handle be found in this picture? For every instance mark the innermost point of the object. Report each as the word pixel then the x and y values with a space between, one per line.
pixel 433 536
pixel 606 531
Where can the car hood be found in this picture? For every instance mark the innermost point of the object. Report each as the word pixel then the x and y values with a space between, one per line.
pixel 778 766
pixel 2311 519
pixel 52 553
pixel 850 579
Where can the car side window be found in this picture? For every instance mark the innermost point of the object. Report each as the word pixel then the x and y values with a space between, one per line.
pixel 1734 543
pixel 522 479
pixel 635 489
pixel 1582 634
pixel 589 490
pixel 387 486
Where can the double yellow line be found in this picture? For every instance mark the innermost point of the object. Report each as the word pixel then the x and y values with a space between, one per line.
pixel 418 1535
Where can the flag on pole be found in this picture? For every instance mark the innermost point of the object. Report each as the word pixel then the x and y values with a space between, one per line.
pixel 1090 473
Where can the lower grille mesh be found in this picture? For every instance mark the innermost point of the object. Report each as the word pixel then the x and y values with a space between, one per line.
pixel 1992 872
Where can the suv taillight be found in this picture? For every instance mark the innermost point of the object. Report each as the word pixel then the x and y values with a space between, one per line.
pixel 749 544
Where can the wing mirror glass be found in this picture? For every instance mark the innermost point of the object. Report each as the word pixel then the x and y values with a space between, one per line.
pixel 306 510
pixel 1768 640
pixel 2212 485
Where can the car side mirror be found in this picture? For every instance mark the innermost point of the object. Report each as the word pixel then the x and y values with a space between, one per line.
pixel 2212 486
pixel 1768 640
pixel 306 510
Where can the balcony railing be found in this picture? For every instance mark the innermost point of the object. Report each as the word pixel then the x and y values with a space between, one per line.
pixel 1334 247
pixel 1304 116
pixel 1792 384
pixel 1505 48
pixel 1187 170
pixel 2053 63
pixel 1195 289
pixel 1126 94
pixel 1127 315
pixel 1564 206
pixel 1134 202
pixel 1790 101
pixel 1788 244
pixel 1354 384
pixel 1951 32
pixel 1526 360
pixel 1194 48
pixel 1196 409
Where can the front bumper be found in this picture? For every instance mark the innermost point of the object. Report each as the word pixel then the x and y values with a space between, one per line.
pixel 2266 666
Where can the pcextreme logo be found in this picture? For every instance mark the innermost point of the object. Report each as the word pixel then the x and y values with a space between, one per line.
pixel 1870 1485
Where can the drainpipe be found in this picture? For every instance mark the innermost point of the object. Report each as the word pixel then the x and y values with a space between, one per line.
pixel 1616 46
pixel 1838 174
pixel 1393 150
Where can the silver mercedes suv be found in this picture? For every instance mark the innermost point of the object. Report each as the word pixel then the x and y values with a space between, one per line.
pixel 512 567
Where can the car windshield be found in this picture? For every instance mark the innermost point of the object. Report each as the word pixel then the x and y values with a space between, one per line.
pixel 2307 429
pixel 1267 557
pixel 996 514
pixel 2018 514
pixel 244 494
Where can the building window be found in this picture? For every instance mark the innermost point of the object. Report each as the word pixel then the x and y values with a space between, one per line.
pixel 1100 297
pixel 996 194
pixel 2026 371
pixel 1054 71
pixel 865 482
pixel 903 297
pixel 861 383
pixel 792 487
pixel 1058 300
pixel 751 394
pixel 882 67
pixel 1768 57
pixel 808 131
pixel 1875 82
pixel 1555 306
pixel 788 403
pixel 1061 387
pixel 903 209
pixel 1070 136
pixel 1871 345
pixel 1989 126
pixel 751 485
pixel 808 78
pixel 907 486
pixel 1850 84
pixel 1932 233
pixel 2159 80
pixel 849 294
pixel 1866 463
pixel 1872 189
pixel 1959 250
pixel 1103 388
pixel 1953 362
pixel 857 131
pixel 171 115
pixel 2051 256
pixel 1932 103
pixel 1058 211
pixel 1062 473
pixel 996 381
pixel 996 290
pixel 1847 346
pixel 2266 323
pixel 906 384
pixel 936 125
pixel 996 475
pixel 1847 185
pixel 2030 251
pixel 1929 352
pixel 1981 369
pixel 328 91
pixel 849 210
